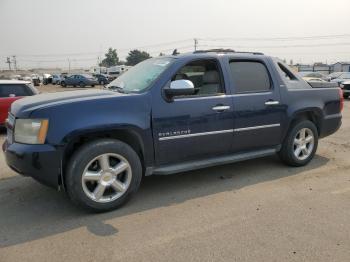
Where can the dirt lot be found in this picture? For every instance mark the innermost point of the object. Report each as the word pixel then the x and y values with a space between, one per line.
pixel 258 210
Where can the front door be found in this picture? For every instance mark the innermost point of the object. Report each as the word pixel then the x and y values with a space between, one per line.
pixel 196 126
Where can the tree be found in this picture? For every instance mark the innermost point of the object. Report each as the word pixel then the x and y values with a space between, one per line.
pixel 111 58
pixel 136 56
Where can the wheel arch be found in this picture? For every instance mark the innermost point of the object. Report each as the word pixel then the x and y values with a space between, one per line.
pixel 314 115
pixel 74 141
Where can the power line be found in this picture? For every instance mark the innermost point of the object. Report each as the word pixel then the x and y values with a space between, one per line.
pixel 280 46
pixel 319 37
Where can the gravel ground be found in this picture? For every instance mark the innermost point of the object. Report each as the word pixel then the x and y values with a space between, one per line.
pixel 258 210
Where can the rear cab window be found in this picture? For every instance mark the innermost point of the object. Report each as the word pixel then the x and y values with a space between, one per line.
pixel 14 90
pixel 289 78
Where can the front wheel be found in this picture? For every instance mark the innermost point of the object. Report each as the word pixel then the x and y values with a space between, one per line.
pixel 103 175
pixel 300 145
pixel 63 84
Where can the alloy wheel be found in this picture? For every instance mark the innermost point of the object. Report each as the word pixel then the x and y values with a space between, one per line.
pixel 106 178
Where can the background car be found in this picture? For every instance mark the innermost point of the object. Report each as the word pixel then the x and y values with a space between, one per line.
pixel 345 76
pixel 102 79
pixel 35 79
pixel 10 91
pixel 79 80
pixel 56 79
pixel 333 75
pixel 314 79
pixel 345 86
pixel 47 79
pixel 308 74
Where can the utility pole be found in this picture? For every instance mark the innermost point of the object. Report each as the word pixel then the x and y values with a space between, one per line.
pixel 14 62
pixel 68 66
pixel 195 44
pixel 8 61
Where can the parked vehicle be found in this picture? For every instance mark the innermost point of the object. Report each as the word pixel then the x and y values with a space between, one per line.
pixel 341 78
pixel 102 79
pixel 47 79
pixel 333 75
pixel 35 79
pixel 79 80
pixel 314 79
pixel 167 115
pixel 10 91
pixel 308 74
pixel 56 79
pixel 345 86
pixel 115 71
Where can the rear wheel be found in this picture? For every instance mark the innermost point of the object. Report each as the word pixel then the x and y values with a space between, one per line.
pixel 81 84
pixel 103 175
pixel 300 144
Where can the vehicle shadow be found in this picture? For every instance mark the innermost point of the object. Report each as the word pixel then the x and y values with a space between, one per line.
pixel 30 211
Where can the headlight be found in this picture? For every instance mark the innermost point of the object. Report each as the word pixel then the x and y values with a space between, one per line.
pixel 31 131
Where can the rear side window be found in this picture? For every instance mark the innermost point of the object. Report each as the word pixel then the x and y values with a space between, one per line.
pixel 14 90
pixel 250 76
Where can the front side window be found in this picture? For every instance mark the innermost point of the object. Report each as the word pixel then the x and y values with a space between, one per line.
pixel 140 77
pixel 205 76
pixel 250 76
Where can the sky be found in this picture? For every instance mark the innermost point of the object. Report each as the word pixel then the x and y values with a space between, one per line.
pixel 49 33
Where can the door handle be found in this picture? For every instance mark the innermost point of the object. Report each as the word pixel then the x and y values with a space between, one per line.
pixel 221 108
pixel 272 103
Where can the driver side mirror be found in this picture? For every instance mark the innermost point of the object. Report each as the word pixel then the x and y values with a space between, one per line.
pixel 179 88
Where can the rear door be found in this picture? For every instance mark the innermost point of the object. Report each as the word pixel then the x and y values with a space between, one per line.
pixel 256 104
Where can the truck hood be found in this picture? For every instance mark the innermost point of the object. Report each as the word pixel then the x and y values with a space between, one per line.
pixel 23 107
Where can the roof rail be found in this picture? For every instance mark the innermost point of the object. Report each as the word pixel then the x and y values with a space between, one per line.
pixel 221 50
pixel 216 50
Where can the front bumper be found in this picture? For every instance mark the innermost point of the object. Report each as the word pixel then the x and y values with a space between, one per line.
pixel 41 162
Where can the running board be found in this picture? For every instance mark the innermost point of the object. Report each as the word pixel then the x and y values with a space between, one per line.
pixel 222 160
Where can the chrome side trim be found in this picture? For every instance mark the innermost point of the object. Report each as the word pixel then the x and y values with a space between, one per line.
pixel 196 134
pixel 255 127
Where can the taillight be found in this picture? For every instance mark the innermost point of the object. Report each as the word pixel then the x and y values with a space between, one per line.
pixel 341 97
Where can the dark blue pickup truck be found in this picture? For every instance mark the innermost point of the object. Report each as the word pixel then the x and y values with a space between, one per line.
pixel 168 115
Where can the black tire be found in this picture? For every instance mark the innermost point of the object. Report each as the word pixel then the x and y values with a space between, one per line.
pixel 81 159
pixel 81 84
pixel 63 84
pixel 286 153
pixel 92 85
pixel 346 96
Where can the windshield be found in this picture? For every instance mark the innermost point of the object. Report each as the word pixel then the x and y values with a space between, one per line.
pixel 141 76
pixel 345 76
